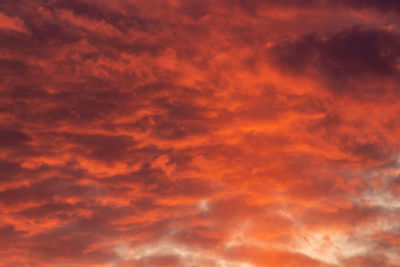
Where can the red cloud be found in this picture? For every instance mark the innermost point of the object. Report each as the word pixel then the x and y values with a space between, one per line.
pixel 199 133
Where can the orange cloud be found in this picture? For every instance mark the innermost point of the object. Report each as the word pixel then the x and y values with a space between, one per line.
pixel 199 133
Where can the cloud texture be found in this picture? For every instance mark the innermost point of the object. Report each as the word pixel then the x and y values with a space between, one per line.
pixel 140 133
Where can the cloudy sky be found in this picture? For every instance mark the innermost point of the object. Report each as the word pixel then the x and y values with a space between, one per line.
pixel 232 133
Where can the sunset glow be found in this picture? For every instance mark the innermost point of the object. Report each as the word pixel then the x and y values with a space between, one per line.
pixel 232 133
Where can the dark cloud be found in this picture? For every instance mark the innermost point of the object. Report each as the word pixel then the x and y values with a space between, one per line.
pixel 11 138
pixel 9 170
pixel 341 58
pixel 60 210
pixel 9 236
pixel 106 148
pixel 194 8
pixel 42 191
pixel 381 5
pixel 253 6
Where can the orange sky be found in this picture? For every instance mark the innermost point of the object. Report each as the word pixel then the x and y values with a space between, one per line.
pixel 232 133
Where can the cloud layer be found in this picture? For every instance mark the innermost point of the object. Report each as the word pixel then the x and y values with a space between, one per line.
pixel 199 133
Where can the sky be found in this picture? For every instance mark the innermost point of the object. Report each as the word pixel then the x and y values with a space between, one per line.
pixel 191 133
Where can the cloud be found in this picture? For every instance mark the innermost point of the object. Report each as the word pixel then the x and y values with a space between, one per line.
pixel 342 58
pixel 385 5
pixel 199 133
pixel 12 24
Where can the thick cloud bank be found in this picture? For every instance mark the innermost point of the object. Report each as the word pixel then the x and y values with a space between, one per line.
pixel 199 133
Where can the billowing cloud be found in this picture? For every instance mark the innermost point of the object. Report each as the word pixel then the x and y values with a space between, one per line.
pixel 199 133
